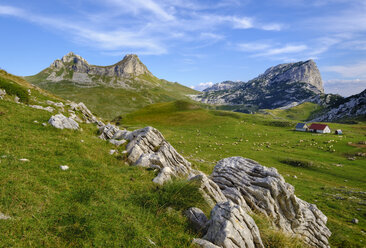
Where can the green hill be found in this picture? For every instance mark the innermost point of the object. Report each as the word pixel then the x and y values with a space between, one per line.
pixel 302 112
pixel 108 90
pixel 101 201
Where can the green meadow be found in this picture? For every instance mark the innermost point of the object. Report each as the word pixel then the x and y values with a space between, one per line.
pixel 102 202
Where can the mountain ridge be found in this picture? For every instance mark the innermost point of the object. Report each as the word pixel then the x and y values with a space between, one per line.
pixel 279 86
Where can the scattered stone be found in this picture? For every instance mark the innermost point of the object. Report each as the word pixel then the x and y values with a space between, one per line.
pixel 4 217
pixel 48 108
pixel 111 152
pixel 230 226
pixel 29 92
pixel 354 221
pixel 82 141
pixel 2 94
pixel 117 142
pixel 60 121
pixel 35 121
pixel 295 176
pixel 44 124
pixel 64 167
pixel 16 99
pixel 151 242
pixel 261 189
pixel 24 160
pixel 197 218
pixel 124 152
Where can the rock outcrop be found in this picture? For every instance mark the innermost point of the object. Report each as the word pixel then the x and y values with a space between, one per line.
pixel 351 107
pixel 48 108
pixel 60 121
pixel 209 189
pixel 87 115
pixel 231 227
pixel 74 68
pixel 148 148
pixel 278 86
pixel 197 218
pixel 258 188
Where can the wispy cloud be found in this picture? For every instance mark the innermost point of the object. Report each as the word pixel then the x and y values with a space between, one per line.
pixel 268 49
pixel 345 87
pixel 143 26
pixel 355 70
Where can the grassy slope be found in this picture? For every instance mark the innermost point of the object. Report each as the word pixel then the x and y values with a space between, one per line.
pixel 108 102
pixel 302 112
pixel 212 135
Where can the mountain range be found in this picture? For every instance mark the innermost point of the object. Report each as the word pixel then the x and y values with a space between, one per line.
pixel 280 86
pixel 109 90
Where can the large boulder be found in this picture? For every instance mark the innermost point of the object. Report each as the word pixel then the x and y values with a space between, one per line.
pixel 258 188
pixel 60 121
pixel 231 227
pixel 148 148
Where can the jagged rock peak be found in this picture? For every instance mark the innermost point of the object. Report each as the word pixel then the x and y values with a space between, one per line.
pixel 132 65
pixel 302 71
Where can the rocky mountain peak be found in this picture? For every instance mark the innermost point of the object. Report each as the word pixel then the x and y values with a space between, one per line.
pixel 305 72
pixel 131 64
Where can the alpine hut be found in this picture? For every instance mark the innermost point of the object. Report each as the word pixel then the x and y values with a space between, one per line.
pixel 301 127
pixel 319 128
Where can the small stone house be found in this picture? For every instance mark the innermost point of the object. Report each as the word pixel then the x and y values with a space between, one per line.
pixel 338 131
pixel 319 128
pixel 301 127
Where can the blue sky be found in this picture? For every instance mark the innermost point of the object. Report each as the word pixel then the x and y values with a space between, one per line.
pixel 193 42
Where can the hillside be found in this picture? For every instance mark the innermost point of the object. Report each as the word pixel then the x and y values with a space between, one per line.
pixel 349 108
pixel 281 86
pixel 327 170
pixel 101 201
pixel 108 90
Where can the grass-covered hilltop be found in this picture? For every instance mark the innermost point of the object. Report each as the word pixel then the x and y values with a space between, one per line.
pixel 82 188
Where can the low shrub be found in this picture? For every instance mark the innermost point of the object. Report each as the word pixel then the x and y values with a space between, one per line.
pixel 297 163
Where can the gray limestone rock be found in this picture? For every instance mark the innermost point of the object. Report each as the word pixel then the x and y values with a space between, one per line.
pixel 231 227
pixel 204 243
pixel 117 142
pixel 4 217
pixel 2 93
pixel 256 187
pixel 108 131
pixel 86 113
pixel 48 108
pixel 164 175
pixel 279 86
pixel 148 148
pixel 83 72
pixel 60 121
pixel 197 218
pixel 209 189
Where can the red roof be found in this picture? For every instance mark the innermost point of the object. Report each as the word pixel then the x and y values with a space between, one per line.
pixel 317 126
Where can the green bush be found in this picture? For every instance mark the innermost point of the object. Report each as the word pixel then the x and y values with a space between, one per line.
pixel 14 89
pixel 298 163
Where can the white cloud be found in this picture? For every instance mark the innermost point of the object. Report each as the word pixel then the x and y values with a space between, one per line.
pixel 268 49
pixel 345 87
pixel 142 26
pixel 355 70
pixel 202 86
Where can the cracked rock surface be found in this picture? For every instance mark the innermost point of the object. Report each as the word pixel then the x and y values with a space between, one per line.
pixel 231 227
pixel 256 187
